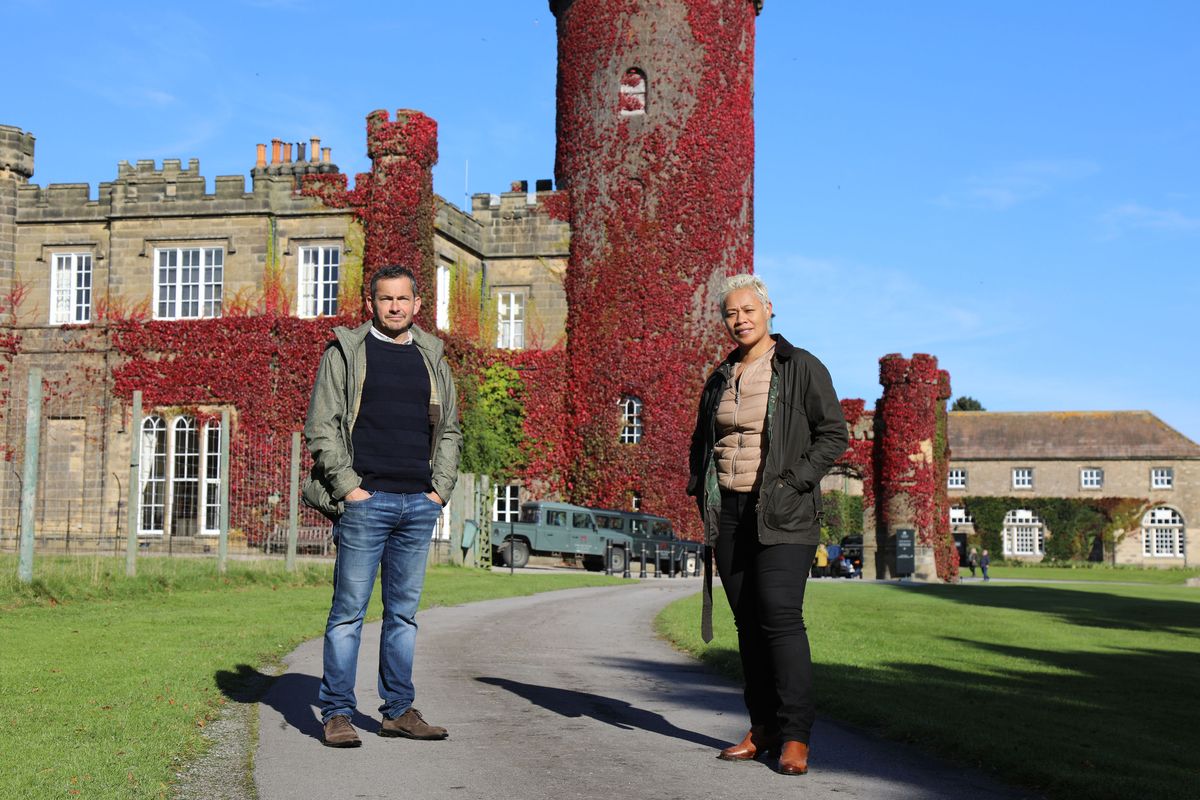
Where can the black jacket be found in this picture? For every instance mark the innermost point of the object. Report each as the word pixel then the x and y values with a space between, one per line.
pixel 805 433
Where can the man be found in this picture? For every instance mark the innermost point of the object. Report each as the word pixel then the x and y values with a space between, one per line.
pixel 383 431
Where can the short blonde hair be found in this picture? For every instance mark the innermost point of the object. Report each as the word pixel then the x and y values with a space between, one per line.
pixel 745 281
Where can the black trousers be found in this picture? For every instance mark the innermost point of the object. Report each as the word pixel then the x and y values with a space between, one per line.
pixel 765 587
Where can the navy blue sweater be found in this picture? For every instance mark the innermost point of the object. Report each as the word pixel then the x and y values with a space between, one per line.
pixel 391 434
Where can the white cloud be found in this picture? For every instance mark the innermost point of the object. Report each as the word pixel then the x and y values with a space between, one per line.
pixel 1009 185
pixel 1132 216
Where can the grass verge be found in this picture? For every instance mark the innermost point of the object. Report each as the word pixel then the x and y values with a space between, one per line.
pixel 1091 572
pixel 107 683
pixel 1078 691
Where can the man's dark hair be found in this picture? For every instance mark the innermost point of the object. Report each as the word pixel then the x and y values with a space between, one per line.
pixel 394 271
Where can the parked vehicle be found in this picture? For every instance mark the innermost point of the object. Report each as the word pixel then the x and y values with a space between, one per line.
pixel 558 529
pixel 562 529
pixel 655 537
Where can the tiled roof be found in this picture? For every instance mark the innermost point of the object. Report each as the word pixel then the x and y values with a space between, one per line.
pixel 987 435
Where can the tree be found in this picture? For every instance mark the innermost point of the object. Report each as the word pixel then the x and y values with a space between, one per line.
pixel 967 403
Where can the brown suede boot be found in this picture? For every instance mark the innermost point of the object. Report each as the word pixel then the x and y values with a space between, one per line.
pixel 340 733
pixel 756 742
pixel 794 758
pixel 411 725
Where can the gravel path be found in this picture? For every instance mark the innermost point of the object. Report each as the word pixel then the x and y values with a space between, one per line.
pixel 566 695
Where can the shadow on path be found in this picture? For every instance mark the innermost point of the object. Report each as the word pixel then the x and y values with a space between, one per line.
pixel 292 695
pixel 618 713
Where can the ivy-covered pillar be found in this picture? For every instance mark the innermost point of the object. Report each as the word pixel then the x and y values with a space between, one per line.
pixel 911 458
pixel 655 154
pixel 398 209
pixel 394 201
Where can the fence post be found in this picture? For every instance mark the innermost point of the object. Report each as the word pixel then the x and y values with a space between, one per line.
pixel 293 503
pixel 33 430
pixel 223 536
pixel 132 513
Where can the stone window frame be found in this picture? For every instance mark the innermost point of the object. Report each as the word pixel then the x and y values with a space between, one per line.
pixel 1020 523
pixel 633 94
pixel 1162 478
pixel 1091 478
pixel 956 478
pixel 160 468
pixel 209 299
pixel 73 305
pixel 442 294
pixel 632 426
pixel 506 502
pixel 311 303
pixel 510 316
pixel 1163 525
pixel 1022 478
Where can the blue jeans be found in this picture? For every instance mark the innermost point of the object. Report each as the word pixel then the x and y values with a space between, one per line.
pixel 392 532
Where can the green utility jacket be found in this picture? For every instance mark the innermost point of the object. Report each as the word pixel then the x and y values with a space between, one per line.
pixel 333 409
pixel 805 433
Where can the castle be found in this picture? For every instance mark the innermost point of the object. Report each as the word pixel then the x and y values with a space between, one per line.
pixel 221 301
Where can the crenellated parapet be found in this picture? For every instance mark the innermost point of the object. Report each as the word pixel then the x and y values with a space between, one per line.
pixel 520 224
pixel 145 188
pixel 16 151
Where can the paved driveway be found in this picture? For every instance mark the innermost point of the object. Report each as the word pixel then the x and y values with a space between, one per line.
pixel 566 695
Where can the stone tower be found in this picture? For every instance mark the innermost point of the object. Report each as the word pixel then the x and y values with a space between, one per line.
pixel 655 152
pixel 911 461
pixel 16 168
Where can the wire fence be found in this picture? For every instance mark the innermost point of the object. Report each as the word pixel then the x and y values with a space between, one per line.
pixel 199 490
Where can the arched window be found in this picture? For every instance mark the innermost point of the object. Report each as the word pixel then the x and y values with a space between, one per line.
pixel 153 460
pixel 633 93
pixel 1162 533
pixel 212 477
pixel 1024 534
pixel 185 478
pixel 631 419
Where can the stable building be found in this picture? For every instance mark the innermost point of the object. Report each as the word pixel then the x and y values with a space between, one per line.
pixel 1083 455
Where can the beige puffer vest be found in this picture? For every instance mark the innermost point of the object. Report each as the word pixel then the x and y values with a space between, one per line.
pixel 741 418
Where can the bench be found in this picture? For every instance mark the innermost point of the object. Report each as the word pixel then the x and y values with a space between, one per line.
pixel 314 539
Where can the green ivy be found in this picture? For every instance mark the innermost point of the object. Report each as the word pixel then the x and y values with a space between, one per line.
pixel 492 418
pixel 1072 524
pixel 843 515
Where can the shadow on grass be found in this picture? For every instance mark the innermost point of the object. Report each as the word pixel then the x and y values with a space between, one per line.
pixel 292 694
pixel 1070 724
pixel 618 713
pixel 1091 608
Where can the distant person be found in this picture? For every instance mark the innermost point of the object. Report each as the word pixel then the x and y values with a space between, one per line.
pixel 985 561
pixel 973 561
pixel 834 551
pixel 822 568
pixel 759 506
pixel 383 430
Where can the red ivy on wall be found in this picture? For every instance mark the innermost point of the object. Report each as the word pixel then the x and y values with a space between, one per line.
pixel 394 202
pixel 660 208
pixel 911 454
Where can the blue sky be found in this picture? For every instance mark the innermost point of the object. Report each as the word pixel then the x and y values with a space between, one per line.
pixel 1011 186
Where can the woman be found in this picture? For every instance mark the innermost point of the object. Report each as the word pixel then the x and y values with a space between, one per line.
pixel 769 427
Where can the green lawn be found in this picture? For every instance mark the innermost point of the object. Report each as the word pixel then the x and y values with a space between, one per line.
pixel 1091 572
pixel 107 683
pixel 1077 691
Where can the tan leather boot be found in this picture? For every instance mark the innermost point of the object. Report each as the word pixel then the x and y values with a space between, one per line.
pixel 756 742
pixel 794 758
